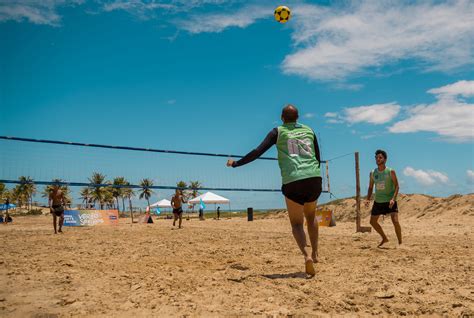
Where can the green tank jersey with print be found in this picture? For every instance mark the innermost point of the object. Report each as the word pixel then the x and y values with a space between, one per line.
pixel 296 153
pixel 384 186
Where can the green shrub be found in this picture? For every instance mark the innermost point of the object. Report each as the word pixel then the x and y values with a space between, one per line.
pixel 34 212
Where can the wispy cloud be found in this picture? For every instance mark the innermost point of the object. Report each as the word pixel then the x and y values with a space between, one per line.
pixel 330 115
pixel 34 11
pixel 141 9
pixel 460 88
pixel 470 176
pixel 218 22
pixel 46 11
pixel 309 115
pixel 373 114
pixel 450 117
pixel 171 101
pixel 428 177
pixel 334 43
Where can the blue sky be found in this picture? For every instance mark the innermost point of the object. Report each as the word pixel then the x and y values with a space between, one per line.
pixel 212 76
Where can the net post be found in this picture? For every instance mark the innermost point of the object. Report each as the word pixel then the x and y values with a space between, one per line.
pixel 359 228
pixel 327 176
pixel 356 155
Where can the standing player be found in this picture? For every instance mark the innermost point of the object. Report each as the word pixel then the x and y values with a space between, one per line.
pixel 386 191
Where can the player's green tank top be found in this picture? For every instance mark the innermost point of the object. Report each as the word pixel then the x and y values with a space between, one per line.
pixel 384 187
pixel 296 154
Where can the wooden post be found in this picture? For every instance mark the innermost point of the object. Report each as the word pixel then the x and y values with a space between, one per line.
pixel 327 176
pixel 359 228
pixel 357 192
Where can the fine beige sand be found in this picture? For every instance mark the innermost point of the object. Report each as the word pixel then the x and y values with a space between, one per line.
pixel 233 267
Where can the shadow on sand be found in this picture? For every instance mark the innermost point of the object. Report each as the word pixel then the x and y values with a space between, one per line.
pixel 288 275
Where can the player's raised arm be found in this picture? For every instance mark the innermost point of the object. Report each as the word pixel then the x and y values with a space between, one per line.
pixel 269 141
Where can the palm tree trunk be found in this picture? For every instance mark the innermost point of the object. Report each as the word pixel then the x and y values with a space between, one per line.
pixel 123 204
pixel 131 209
pixel 118 206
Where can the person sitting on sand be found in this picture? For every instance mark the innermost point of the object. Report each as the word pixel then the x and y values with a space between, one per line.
pixel 299 161
pixel 176 203
pixel 386 191
pixel 56 203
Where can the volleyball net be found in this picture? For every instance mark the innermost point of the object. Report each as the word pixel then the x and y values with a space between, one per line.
pixel 46 162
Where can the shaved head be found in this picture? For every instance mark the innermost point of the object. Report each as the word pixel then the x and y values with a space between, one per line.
pixel 289 113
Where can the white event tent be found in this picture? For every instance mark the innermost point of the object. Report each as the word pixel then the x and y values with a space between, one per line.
pixel 210 198
pixel 161 204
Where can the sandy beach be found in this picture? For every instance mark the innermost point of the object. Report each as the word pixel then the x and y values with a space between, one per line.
pixel 232 267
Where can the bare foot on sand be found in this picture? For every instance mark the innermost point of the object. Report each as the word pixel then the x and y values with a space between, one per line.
pixel 314 256
pixel 309 267
pixel 383 242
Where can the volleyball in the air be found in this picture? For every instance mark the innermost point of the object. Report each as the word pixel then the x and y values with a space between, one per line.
pixel 282 14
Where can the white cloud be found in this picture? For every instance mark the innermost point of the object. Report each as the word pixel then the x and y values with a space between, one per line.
pixel 171 101
pixel 309 115
pixel 218 22
pixel 461 88
pixel 449 117
pixel 333 43
pixel 138 7
pixel 470 176
pixel 330 115
pixel 427 178
pixel 46 11
pixel 374 114
pixel 34 11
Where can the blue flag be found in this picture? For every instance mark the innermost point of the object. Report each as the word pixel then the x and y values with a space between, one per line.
pixel 203 206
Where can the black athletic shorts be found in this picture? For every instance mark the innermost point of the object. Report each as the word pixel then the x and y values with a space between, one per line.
pixel 384 208
pixel 178 211
pixel 58 209
pixel 303 191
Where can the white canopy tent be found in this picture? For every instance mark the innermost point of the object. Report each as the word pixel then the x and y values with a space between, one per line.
pixel 210 198
pixel 161 204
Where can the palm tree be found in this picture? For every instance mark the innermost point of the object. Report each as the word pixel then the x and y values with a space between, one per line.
pixel 4 193
pixel 16 196
pixel 181 185
pixel 117 192
pixel 194 186
pixel 98 194
pixel 109 197
pixel 26 190
pixel 129 193
pixel 86 196
pixel 125 192
pixel 145 191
